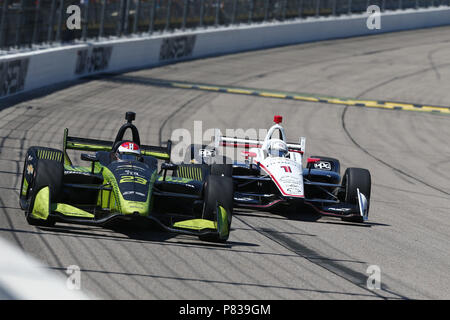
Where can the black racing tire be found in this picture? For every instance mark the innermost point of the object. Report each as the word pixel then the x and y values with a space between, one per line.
pixel 34 156
pixel 218 189
pixel 25 195
pixel 353 179
pixel 225 170
pixel 46 173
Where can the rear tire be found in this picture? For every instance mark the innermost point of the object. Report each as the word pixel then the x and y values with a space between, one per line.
pixel 356 178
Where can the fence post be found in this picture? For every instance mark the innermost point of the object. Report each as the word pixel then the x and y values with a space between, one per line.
pixel 283 10
pixel 202 13
pixel 169 4
pixel 85 19
pixel 251 5
pixel 400 4
pixel 185 10
pixel 36 20
pixel 50 23
pixel 136 16
pixel 19 23
pixel 349 6
pixel 333 10
pixel 120 17
pixel 216 20
pixel 102 19
pixel 152 17
pixel 317 8
pixel 300 8
pixel 59 22
pixel 233 13
pixel 3 24
pixel 266 10
pixel 126 16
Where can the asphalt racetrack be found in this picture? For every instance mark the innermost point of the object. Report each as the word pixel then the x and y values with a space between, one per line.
pixel 268 256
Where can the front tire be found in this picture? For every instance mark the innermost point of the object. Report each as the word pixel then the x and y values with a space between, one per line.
pixel 218 191
pixel 356 178
pixel 42 167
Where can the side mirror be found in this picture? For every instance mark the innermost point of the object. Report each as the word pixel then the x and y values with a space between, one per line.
pixel 169 166
pixel 89 157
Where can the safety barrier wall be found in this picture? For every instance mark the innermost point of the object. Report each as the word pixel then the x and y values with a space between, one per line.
pixel 27 71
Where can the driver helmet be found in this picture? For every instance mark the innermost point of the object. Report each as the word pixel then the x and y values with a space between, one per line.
pixel 277 148
pixel 128 151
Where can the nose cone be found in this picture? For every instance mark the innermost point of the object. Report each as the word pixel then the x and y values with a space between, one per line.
pixel 135 208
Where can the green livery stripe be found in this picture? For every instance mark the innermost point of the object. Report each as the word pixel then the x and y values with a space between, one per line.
pixel 195 224
pixel 72 211
pixel 189 172
pixel 158 155
pixel 222 222
pixel 49 155
pixel 175 179
pixel 41 206
pixel 67 167
pixel 24 187
pixel 87 147
pixel 266 93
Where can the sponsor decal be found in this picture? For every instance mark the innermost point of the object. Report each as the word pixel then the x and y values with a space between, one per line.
pixel 93 60
pixel 30 169
pixel 12 76
pixel 132 179
pixel 206 153
pixel 339 209
pixel 323 165
pixel 177 47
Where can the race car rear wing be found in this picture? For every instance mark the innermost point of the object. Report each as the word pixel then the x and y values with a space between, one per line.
pixel 86 144
pixel 220 140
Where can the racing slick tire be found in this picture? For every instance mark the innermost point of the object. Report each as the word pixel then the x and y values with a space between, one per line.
pixel 221 170
pixel 353 179
pixel 43 167
pixel 218 190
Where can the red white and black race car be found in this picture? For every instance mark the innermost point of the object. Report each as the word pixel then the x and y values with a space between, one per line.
pixel 273 175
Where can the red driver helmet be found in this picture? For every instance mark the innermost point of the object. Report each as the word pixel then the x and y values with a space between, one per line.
pixel 128 151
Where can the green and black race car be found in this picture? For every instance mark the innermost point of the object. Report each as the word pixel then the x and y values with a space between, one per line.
pixel 123 182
